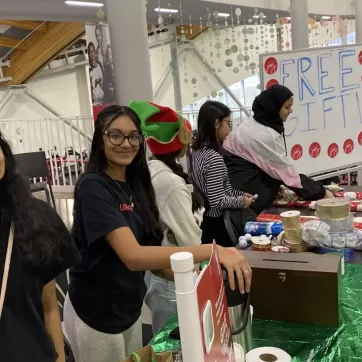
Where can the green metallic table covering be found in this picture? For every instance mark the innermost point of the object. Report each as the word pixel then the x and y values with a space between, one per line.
pixel 304 342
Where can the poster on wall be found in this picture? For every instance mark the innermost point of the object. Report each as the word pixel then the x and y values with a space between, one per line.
pixel 324 132
pixel 101 67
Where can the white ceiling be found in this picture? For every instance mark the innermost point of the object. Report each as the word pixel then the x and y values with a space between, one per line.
pixel 56 10
pixel 49 10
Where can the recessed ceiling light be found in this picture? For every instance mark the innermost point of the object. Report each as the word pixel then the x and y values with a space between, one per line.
pixel 84 3
pixel 168 11
pixel 326 17
pixel 223 15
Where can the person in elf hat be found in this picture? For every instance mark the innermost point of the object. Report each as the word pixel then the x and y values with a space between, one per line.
pixel 179 205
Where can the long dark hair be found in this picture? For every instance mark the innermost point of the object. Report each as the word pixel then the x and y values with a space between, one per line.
pixel 40 235
pixel 210 113
pixel 137 173
pixel 169 160
pixel 90 45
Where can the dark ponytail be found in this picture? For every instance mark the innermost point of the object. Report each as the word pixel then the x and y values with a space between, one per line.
pixel 169 160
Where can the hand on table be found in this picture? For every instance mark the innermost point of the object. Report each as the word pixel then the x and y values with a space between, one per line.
pixel 236 265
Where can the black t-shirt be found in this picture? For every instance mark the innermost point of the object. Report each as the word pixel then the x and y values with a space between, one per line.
pixel 106 295
pixel 23 335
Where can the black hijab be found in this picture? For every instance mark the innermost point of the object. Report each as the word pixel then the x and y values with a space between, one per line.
pixel 267 105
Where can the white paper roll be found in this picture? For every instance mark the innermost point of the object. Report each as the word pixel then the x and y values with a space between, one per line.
pixel 292 213
pixel 268 354
pixel 239 353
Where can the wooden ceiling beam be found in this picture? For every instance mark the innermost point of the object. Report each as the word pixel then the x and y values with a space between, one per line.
pixel 41 49
pixel 7 42
pixel 24 24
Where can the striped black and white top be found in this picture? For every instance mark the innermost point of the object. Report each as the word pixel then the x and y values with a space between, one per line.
pixel 210 175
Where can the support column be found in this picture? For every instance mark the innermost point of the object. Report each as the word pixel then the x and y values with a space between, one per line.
pixel 129 38
pixel 175 68
pixel 358 21
pixel 299 21
pixel 344 28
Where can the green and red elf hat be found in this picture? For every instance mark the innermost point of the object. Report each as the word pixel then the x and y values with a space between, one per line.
pixel 165 130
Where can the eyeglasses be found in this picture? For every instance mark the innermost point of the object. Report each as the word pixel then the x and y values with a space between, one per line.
pixel 229 122
pixel 118 138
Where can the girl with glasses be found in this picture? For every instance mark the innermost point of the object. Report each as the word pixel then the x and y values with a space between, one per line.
pixel 210 175
pixel 118 231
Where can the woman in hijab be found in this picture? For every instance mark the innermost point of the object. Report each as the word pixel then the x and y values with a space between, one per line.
pixel 256 157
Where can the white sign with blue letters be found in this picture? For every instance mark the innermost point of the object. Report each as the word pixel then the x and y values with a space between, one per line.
pixel 324 132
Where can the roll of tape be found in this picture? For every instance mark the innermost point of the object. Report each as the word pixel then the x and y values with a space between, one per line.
pixel 337 208
pixel 260 248
pixel 340 225
pixel 296 248
pixel 347 253
pixel 294 235
pixel 239 353
pixel 266 354
pixel 281 238
pixel 260 243
pixel 347 240
pixel 291 220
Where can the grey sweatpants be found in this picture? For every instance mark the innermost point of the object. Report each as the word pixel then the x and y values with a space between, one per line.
pixel 89 345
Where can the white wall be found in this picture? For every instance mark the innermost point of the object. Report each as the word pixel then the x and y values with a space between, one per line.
pixel 197 82
pixel 67 92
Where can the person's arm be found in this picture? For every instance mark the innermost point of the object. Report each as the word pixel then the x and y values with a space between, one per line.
pixel 140 258
pixel 216 193
pixel 102 218
pixel 178 216
pixel 266 149
pixel 52 319
pixel 311 190
pixel 165 274
pixel 168 273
